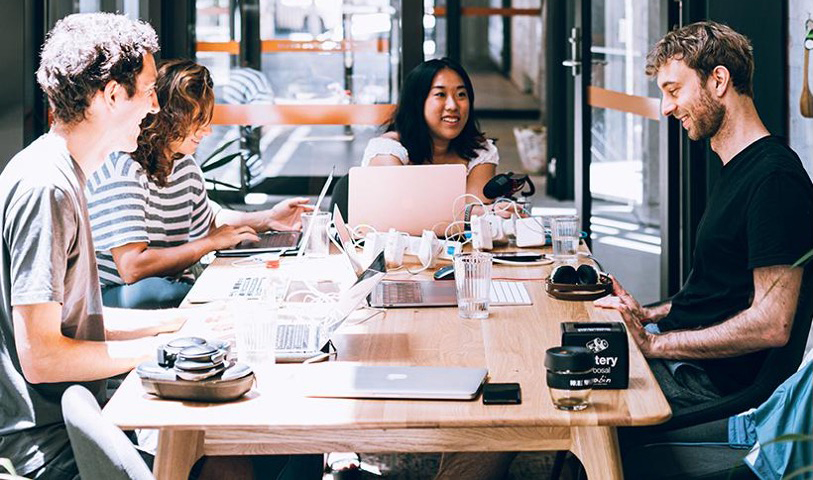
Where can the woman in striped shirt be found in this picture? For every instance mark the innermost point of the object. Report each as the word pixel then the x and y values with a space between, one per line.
pixel 149 211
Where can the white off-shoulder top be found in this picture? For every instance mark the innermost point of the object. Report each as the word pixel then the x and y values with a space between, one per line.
pixel 389 146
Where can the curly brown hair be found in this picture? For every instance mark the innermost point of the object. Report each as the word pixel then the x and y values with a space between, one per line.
pixel 704 46
pixel 186 97
pixel 85 51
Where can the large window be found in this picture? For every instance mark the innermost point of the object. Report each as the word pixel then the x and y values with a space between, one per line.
pixel 307 54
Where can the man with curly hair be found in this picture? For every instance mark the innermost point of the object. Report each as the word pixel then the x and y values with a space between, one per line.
pixel 98 73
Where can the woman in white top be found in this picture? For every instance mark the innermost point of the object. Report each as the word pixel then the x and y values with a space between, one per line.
pixel 434 123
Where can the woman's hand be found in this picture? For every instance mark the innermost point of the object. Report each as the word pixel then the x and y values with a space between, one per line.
pixel 227 236
pixel 287 214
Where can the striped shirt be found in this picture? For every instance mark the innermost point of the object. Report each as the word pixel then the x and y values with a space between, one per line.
pixel 125 206
pixel 247 86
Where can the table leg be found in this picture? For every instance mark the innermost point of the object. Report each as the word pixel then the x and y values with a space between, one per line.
pixel 597 448
pixel 177 451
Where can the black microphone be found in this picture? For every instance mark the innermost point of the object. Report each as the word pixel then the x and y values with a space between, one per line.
pixel 507 185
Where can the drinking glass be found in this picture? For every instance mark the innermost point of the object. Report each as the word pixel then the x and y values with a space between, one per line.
pixel 255 323
pixel 565 237
pixel 472 274
pixel 314 225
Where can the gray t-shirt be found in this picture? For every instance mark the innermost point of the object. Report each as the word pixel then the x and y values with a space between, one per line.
pixel 46 256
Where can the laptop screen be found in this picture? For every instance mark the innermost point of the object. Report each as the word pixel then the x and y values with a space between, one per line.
pixel 350 300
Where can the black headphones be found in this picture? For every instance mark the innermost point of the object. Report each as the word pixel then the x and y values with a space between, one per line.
pixel 584 275
pixel 507 185
pixel 580 284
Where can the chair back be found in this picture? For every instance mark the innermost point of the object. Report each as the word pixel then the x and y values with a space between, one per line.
pixel 780 363
pixel 101 449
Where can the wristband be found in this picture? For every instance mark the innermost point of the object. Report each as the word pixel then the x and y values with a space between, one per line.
pixel 467 213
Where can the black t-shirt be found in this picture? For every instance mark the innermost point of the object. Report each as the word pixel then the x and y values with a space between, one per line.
pixel 759 214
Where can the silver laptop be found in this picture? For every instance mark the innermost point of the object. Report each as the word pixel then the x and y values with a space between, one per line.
pixel 274 241
pixel 442 293
pixel 304 329
pixel 400 382
pixel 431 293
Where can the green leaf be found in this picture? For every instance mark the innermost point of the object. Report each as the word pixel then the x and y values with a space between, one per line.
pixel 220 162
pixel 790 437
pixel 218 151
pixel 805 258
pixel 799 472
pixel 7 466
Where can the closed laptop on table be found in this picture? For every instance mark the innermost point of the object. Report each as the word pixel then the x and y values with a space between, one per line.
pixel 397 382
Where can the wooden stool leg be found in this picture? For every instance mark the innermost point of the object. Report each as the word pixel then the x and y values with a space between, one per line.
pixel 597 448
pixel 177 451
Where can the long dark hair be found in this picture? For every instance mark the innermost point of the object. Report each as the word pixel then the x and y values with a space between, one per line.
pixel 410 124
pixel 184 90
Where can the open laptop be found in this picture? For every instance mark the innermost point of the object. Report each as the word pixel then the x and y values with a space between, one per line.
pixel 304 329
pixel 274 241
pixel 409 198
pixel 431 293
pixel 399 382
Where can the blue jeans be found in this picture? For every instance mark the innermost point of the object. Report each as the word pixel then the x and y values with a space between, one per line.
pixel 147 294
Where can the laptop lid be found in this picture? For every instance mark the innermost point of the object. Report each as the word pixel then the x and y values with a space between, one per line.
pixel 333 317
pixel 343 380
pixel 409 198
pixel 346 241
pixel 275 241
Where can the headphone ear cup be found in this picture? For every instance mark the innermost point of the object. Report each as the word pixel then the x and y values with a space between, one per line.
pixel 587 275
pixel 564 274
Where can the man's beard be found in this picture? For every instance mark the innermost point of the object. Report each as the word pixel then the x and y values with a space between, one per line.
pixel 709 117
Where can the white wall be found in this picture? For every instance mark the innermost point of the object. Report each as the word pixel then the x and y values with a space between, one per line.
pixel 801 128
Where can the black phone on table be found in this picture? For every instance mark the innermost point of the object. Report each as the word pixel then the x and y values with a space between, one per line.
pixel 502 394
pixel 518 256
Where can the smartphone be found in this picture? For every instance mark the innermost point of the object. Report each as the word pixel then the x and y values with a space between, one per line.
pixel 518 256
pixel 502 394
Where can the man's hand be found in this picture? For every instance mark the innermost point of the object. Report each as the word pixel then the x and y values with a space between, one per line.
pixel 632 313
pixel 287 214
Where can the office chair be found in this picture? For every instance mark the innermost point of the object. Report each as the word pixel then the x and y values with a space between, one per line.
pixel 677 460
pixel 339 195
pixel 100 448
pixel 780 363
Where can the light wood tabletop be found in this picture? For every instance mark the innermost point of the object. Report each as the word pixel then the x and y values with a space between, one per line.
pixel 276 418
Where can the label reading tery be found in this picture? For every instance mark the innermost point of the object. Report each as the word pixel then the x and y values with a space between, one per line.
pixel 611 361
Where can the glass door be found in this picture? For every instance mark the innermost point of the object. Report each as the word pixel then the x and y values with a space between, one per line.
pixel 620 141
pixel 315 78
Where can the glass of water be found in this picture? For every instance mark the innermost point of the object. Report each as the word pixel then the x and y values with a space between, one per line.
pixel 564 231
pixel 315 225
pixel 255 324
pixel 472 274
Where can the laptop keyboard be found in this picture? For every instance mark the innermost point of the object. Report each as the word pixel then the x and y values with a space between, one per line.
pixel 271 240
pixel 396 293
pixel 509 293
pixel 292 336
pixel 248 288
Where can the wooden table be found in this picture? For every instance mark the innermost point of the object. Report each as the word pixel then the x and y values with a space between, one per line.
pixel 275 417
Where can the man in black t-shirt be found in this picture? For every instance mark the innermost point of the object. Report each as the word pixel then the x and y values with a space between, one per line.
pixel 741 296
